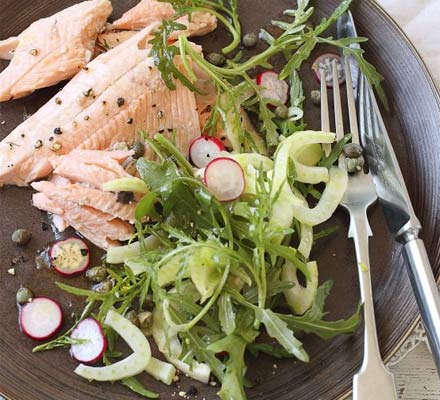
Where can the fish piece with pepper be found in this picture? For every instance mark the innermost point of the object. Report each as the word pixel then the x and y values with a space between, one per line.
pixel 52 49
pixel 100 228
pixel 147 12
pixel 106 202
pixel 118 94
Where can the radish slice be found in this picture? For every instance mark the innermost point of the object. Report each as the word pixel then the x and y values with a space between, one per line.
pixel 41 318
pixel 224 177
pixel 130 366
pixel 272 87
pixel 95 345
pixel 70 256
pixel 204 149
pixel 324 63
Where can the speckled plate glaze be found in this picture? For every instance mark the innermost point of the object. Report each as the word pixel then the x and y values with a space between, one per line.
pixel 414 125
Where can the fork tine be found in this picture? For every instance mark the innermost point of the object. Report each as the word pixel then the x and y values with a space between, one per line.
pixel 337 104
pixel 325 119
pixel 351 104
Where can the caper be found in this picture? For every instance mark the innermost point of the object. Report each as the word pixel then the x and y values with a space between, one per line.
pixel 103 287
pixel 24 295
pixel 97 274
pixel 132 317
pixel 354 164
pixel 130 165
pixel 315 95
pixel 250 40
pixel 216 59
pixel 125 197
pixel 352 150
pixel 148 302
pixel 145 321
pixel 282 111
pixel 139 149
pixel 21 237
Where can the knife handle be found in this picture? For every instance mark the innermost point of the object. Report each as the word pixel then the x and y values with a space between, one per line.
pixel 426 292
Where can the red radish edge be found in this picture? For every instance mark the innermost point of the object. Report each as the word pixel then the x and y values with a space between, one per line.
pixel 317 72
pixel 69 270
pixel 229 193
pixel 202 156
pixel 277 90
pixel 222 354
pixel 48 324
pixel 92 350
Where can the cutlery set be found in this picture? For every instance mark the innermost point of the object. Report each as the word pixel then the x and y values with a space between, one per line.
pixel 383 181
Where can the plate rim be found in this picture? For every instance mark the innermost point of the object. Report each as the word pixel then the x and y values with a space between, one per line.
pixel 435 87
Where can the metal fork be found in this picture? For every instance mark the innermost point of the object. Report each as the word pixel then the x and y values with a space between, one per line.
pixel 373 381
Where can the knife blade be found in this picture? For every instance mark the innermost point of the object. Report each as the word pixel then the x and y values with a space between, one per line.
pixel 393 195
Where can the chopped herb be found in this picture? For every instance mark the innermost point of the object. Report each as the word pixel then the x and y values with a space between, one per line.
pixel 120 102
pixel 57 131
pixel 159 115
pixel 130 121
pixel 86 118
pixel 363 267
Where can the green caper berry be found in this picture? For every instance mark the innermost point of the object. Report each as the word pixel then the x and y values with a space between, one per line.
pixel 97 274
pixel 21 237
pixel 352 150
pixel 250 40
pixel 282 111
pixel 315 95
pixel 132 317
pixel 103 287
pixel 145 321
pixel 24 295
pixel 354 165
pixel 139 150
pixel 216 59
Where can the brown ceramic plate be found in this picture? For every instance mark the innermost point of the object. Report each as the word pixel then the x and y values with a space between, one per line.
pixel 414 125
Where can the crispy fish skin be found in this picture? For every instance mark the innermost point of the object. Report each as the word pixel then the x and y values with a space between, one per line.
pixel 109 101
pixel 52 49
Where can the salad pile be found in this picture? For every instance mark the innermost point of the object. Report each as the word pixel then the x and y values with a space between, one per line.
pixel 220 264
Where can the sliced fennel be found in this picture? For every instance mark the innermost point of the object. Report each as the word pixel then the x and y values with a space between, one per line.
pixel 162 371
pixel 310 155
pixel 251 164
pixel 290 148
pixel 306 231
pixel 330 199
pixel 128 184
pixel 167 274
pixel 118 254
pixel 289 206
pixel 300 298
pixel 129 366
pixel 136 265
pixel 169 345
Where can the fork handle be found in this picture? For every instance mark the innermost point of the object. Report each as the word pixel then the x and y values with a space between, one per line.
pixel 360 231
pixel 426 292
pixel 373 381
